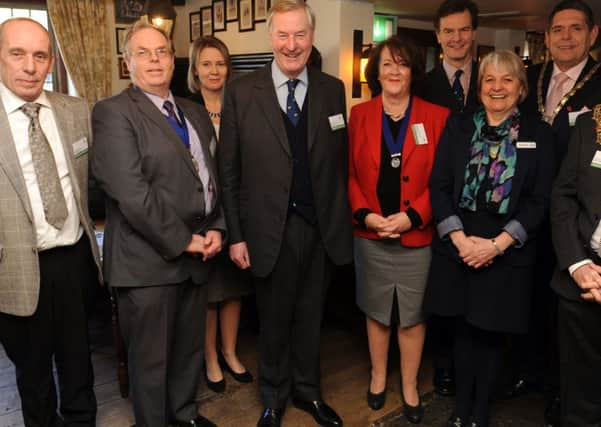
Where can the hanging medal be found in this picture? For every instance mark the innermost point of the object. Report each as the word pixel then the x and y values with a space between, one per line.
pixel 597 119
pixel 395 147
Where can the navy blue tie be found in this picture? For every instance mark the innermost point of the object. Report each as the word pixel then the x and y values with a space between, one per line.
pixel 458 90
pixel 168 106
pixel 292 110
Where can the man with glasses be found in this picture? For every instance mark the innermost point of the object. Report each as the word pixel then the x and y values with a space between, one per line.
pixel 452 84
pixel 163 224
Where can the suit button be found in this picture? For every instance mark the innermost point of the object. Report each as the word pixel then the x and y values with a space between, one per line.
pixel 406 202
pixel 405 178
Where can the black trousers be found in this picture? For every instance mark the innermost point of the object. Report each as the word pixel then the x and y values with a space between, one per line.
pixel 58 328
pixel 163 328
pixel 290 303
pixel 579 330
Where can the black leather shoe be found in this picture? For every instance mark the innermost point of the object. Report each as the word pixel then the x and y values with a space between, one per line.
pixel 376 400
pixel 270 418
pixel 414 414
pixel 199 421
pixel 552 412
pixel 241 377
pixel 455 421
pixel 444 382
pixel 216 386
pixel 321 412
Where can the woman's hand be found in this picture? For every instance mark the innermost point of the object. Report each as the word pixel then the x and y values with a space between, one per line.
pixel 481 252
pixel 381 225
pixel 461 242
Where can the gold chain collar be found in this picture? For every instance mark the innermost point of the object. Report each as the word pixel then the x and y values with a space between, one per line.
pixel 539 92
pixel 597 119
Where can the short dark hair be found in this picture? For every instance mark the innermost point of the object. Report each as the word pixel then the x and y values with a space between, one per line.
pixel 407 51
pixel 450 7
pixel 576 5
pixel 198 46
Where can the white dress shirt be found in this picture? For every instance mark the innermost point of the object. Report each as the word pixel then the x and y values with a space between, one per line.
pixel 573 74
pixel 47 236
pixel 281 88
pixel 465 78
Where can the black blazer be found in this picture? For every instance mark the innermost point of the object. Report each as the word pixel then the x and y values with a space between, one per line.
pixel 256 166
pixel 530 190
pixel 575 206
pixel 438 90
pixel 155 199
pixel 587 96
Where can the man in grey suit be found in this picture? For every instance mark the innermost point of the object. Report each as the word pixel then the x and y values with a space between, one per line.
pixel 163 222
pixel 49 261
pixel 576 225
pixel 283 166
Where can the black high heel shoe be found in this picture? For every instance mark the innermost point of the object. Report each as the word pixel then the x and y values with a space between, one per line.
pixel 414 414
pixel 376 400
pixel 216 386
pixel 241 377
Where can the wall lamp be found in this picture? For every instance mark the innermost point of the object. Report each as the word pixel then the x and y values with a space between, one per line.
pixel 161 14
pixel 360 56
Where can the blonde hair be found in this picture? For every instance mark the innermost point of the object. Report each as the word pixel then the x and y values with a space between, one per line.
pixel 282 6
pixel 507 60
pixel 139 26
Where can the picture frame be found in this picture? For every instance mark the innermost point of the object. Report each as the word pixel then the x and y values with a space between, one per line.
pixel 231 10
pixel 245 20
pixel 218 15
pixel 260 10
pixel 195 26
pixel 128 11
pixel 120 39
pixel 206 21
pixel 123 70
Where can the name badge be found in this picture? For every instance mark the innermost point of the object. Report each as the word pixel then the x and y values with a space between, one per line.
pixel 529 145
pixel 572 116
pixel 596 162
pixel 80 147
pixel 337 121
pixel 419 134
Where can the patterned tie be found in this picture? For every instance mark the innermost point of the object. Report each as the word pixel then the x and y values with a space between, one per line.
pixel 458 90
pixel 51 191
pixel 556 94
pixel 292 110
pixel 168 106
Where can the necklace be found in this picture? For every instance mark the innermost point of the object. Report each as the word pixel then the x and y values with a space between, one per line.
pixel 539 92
pixel 597 119
pixel 214 115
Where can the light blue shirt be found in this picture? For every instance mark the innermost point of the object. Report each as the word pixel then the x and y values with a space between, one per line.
pixel 281 88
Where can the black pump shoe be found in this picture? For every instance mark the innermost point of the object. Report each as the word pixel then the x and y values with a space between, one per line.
pixel 241 377
pixel 414 414
pixel 216 386
pixel 376 400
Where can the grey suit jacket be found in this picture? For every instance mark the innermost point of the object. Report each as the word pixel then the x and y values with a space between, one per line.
pixel 575 206
pixel 19 266
pixel 155 199
pixel 256 166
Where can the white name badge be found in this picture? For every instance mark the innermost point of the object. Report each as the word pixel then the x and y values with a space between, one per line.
pixel 529 145
pixel 419 134
pixel 572 116
pixel 596 162
pixel 337 121
pixel 80 147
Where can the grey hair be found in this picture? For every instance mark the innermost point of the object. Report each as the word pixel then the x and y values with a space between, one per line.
pixel 138 26
pixel 282 6
pixel 507 60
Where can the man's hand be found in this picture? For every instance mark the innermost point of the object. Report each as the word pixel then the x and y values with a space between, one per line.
pixel 588 278
pixel 196 245
pixel 239 254
pixel 212 244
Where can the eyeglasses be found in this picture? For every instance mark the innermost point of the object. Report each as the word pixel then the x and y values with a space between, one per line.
pixel 146 54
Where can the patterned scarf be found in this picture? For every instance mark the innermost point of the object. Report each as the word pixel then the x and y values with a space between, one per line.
pixel 493 158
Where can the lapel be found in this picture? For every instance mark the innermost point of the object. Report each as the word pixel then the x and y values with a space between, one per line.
pixel 147 108
pixel 268 101
pixel 316 100
pixel 204 129
pixel 525 157
pixel 472 95
pixel 409 143
pixel 443 84
pixel 462 150
pixel 373 125
pixel 9 162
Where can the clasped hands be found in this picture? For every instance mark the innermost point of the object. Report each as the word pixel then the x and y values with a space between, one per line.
pixel 389 227
pixel 476 252
pixel 206 246
pixel 588 278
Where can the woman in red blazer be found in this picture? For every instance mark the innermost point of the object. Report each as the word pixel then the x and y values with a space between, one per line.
pixel 393 139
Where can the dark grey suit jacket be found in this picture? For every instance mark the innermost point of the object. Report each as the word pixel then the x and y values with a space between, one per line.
pixel 575 206
pixel 155 200
pixel 256 167
pixel 438 90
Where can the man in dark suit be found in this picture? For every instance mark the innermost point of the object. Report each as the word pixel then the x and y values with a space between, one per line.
pixel 575 214
pixel 163 222
pixel 283 166
pixel 560 90
pixel 49 259
pixel 452 84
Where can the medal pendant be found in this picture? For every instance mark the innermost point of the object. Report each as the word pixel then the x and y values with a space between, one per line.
pixel 395 161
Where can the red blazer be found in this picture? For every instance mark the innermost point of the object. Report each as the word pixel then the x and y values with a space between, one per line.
pixel 365 133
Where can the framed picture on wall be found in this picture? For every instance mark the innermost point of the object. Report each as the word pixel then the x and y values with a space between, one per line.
pixel 206 21
pixel 127 11
pixel 195 27
pixel 261 8
pixel 123 70
pixel 120 39
pixel 231 10
pixel 218 15
pixel 245 21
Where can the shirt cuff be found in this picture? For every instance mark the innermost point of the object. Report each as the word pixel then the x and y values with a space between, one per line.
pixel 360 215
pixel 449 224
pixel 414 217
pixel 517 231
pixel 572 268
